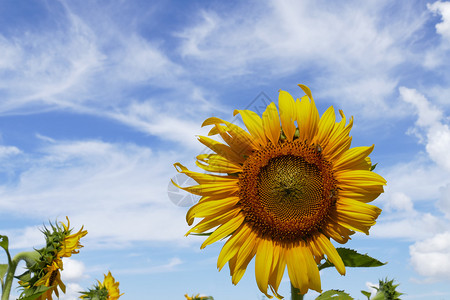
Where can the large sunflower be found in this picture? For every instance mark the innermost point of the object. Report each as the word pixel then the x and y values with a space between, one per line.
pixel 288 185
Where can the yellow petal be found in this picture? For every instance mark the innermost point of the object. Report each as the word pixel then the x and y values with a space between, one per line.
pixel 296 268
pixel 307 118
pixel 313 270
pixel 337 232
pixel 287 114
pixel 326 125
pixel 306 90
pixel 210 206
pixel 278 267
pixel 206 178
pixel 224 230
pixel 217 163
pixel 325 245
pixel 263 264
pixel 232 246
pixel 359 178
pixel 254 125
pixel 213 221
pixel 238 272
pixel 221 149
pixel 352 158
pixel 240 136
pixel 271 123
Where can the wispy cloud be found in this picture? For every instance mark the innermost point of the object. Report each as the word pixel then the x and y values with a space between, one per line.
pixel 95 184
pixel 354 54
pixel 73 67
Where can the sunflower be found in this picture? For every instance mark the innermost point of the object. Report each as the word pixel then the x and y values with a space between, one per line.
pixel 281 190
pixel 45 275
pixel 108 290
pixel 198 297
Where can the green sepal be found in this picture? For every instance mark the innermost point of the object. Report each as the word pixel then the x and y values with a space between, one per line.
pixel 387 290
pixel 353 259
pixel 373 167
pixel 37 293
pixel 367 294
pixel 334 295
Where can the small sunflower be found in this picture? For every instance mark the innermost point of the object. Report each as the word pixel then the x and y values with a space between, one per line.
pixel 106 290
pixel 281 190
pixel 198 297
pixel 45 275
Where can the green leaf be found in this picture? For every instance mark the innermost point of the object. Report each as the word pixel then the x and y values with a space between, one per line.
pixel 3 269
pixel 4 242
pixel 353 259
pixel 36 295
pixel 334 295
pixel 373 167
pixel 367 294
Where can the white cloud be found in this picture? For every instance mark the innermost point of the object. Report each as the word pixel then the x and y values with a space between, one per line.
pixel 437 55
pixel 399 202
pixel 371 287
pixel 6 151
pixel 97 184
pixel 72 292
pixel 442 8
pixel 425 179
pixel 411 226
pixel 428 115
pixel 444 200
pixel 431 257
pixel 73 270
pixel 431 121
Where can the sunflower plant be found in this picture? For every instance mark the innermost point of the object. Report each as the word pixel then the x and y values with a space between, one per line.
pixel 106 290
pixel 43 277
pixel 281 191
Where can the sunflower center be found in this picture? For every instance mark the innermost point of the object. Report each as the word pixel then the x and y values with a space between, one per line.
pixel 290 188
pixel 287 190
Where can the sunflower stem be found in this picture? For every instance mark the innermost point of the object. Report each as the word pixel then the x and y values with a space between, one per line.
pixel 29 257
pixel 295 293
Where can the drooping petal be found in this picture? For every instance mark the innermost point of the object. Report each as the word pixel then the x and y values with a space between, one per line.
pixel 296 268
pixel 263 264
pixel 326 247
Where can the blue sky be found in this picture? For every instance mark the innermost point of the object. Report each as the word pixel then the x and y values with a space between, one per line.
pixel 98 99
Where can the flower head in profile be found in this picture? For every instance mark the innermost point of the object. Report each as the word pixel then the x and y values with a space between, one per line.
pixel 43 276
pixel 281 190
pixel 106 290
pixel 198 297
